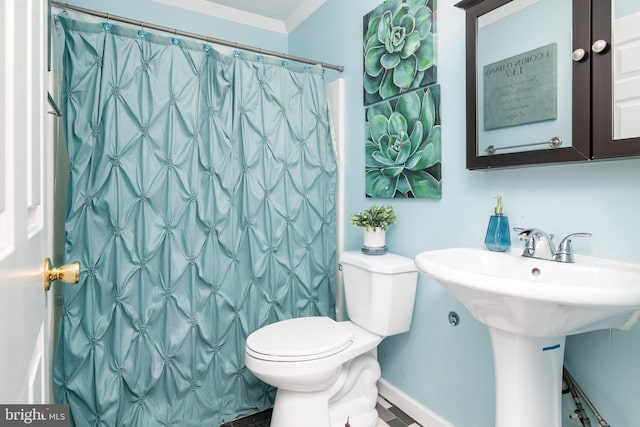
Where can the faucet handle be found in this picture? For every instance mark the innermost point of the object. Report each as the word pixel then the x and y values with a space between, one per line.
pixel 565 249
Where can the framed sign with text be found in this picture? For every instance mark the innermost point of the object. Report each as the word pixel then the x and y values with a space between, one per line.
pixel 521 89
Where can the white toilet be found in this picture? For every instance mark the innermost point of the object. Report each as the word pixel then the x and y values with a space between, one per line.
pixel 326 371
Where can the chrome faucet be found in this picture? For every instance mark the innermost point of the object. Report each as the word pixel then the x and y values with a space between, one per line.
pixel 539 244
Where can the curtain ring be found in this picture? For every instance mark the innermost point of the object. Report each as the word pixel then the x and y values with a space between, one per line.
pixel 106 25
pixel 141 32
pixel 174 39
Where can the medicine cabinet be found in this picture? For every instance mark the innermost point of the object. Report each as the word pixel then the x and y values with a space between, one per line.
pixel 551 81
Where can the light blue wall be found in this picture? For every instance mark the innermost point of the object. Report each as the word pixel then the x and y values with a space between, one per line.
pixel 447 369
pixel 626 7
pixel 450 370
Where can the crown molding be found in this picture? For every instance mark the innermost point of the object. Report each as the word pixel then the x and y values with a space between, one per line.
pixel 302 12
pixel 229 14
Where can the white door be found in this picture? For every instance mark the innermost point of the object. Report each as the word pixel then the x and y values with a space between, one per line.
pixel 25 182
pixel 626 75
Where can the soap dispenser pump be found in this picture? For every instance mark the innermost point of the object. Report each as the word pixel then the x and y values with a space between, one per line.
pixel 498 238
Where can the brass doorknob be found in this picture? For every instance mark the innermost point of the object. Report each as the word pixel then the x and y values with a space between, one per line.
pixel 68 273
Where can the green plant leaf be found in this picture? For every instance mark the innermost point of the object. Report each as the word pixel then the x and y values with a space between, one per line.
pixel 368 157
pixel 372 84
pixel 409 106
pixel 372 65
pixel 387 88
pixel 384 144
pixel 404 73
pixel 372 26
pixel 424 21
pixel 394 6
pixel 384 26
pixel 397 124
pixel 404 152
pixel 417 161
pixel 378 185
pixel 435 142
pixel 415 5
pixel 411 45
pixel 380 160
pixel 418 80
pixel 424 54
pixel 416 137
pixel 390 60
pixel 378 127
pixel 428 112
pixel 406 21
pixel 381 108
pixel 402 186
pixel 424 185
pixel 392 171
pixel 390 152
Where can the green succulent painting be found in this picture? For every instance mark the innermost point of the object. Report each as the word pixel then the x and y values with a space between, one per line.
pixel 403 146
pixel 399 48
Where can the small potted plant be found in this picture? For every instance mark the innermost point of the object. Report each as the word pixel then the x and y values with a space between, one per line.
pixel 375 222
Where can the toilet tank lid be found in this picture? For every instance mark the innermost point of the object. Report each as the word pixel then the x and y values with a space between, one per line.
pixel 383 264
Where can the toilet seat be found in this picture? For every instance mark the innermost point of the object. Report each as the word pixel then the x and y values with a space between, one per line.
pixel 299 339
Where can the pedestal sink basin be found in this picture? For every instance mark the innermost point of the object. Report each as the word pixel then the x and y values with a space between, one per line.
pixel 530 305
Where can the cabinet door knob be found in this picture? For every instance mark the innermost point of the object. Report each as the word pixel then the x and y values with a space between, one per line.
pixel 578 55
pixel 599 46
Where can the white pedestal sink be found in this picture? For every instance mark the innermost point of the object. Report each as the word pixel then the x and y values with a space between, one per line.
pixel 530 305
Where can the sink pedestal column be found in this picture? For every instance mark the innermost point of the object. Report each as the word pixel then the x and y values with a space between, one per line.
pixel 528 373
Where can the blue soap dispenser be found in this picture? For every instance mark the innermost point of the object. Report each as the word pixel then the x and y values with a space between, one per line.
pixel 498 238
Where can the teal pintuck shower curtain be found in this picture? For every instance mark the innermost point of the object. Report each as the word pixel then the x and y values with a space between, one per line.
pixel 201 206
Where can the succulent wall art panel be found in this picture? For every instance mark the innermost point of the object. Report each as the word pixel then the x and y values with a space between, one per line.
pixel 399 48
pixel 403 146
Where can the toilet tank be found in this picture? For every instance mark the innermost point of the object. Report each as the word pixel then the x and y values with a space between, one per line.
pixel 380 291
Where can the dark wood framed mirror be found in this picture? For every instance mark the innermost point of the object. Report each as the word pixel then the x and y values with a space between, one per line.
pixel 500 38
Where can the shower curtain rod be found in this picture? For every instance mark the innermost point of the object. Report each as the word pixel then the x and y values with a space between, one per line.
pixel 212 40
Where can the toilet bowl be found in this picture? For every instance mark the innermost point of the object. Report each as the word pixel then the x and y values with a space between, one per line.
pixel 326 371
pixel 308 378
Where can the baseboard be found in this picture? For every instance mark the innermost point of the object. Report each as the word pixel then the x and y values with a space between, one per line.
pixel 423 416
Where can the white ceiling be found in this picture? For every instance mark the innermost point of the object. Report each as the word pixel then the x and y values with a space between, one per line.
pixel 274 15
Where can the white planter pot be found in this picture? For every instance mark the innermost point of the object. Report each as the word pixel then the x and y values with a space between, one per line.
pixel 374 238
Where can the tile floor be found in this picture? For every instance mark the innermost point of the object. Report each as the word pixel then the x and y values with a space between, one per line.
pixel 390 416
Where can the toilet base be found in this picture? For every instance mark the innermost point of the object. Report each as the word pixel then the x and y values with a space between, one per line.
pixel 292 408
pixel 353 396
